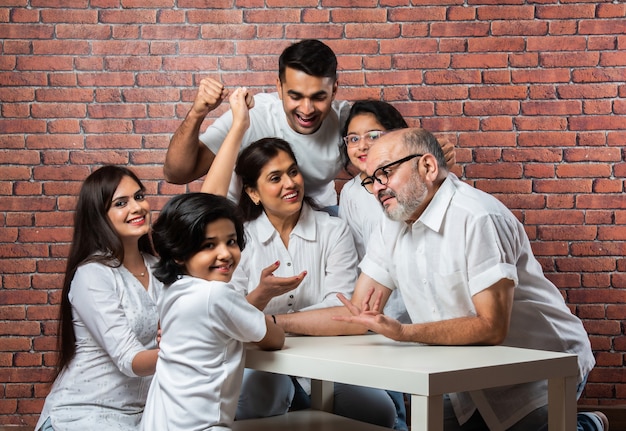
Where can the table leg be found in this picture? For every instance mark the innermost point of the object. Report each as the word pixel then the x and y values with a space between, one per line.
pixel 426 413
pixel 562 404
pixel 322 395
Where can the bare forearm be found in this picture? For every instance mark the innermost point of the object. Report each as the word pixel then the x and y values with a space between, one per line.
pixel 218 178
pixel 454 332
pixel 183 162
pixel 274 338
pixel 144 362
pixel 318 322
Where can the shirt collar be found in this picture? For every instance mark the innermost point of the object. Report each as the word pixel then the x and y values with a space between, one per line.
pixel 435 212
pixel 305 228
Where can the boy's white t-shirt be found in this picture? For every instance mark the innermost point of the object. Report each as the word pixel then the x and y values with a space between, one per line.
pixel 200 367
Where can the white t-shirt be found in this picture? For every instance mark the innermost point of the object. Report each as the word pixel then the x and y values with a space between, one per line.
pixel 114 318
pixel 317 154
pixel 464 242
pixel 363 213
pixel 320 244
pixel 200 367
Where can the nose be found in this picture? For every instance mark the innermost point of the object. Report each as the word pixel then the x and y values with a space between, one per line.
pixel 306 106
pixel 377 187
pixel 223 252
pixel 288 181
pixel 134 205
pixel 364 143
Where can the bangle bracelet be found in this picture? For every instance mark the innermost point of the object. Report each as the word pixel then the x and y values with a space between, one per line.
pixel 274 318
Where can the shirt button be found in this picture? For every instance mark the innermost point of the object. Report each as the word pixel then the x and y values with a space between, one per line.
pixel 288 263
pixel 291 296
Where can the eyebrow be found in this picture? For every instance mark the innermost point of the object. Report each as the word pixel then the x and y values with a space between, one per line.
pixel 298 94
pixel 139 190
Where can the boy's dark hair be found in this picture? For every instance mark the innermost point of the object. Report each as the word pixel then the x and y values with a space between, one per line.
pixel 309 56
pixel 179 232
pixel 387 115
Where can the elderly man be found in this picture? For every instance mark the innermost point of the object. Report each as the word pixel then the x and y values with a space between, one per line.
pixel 467 274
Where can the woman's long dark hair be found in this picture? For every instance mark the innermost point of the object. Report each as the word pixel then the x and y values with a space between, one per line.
pixel 250 163
pixel 388 117
pixel 94 240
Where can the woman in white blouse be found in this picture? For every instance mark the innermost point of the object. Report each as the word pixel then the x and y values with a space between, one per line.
pixel 108 321
pixel 296 258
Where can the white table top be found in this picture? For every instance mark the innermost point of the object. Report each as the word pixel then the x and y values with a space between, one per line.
pixel 376 361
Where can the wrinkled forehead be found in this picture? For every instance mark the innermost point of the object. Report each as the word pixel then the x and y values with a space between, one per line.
pixel 387 149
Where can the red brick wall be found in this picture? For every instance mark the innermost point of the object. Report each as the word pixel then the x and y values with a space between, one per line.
pixel 533 94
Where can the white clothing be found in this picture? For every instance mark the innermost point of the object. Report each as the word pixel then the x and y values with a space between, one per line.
pixel 464 242
pixel 114 318
pixel 198 376
pixel 319 244
pixel 363 213
pixel 318 154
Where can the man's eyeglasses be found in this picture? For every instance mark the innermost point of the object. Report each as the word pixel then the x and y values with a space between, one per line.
pixel 352 140
pixel 382 174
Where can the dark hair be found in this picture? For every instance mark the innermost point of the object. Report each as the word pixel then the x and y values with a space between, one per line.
pixel 179 232
pixel 388 117
pixel 309 56
pixel 250 163
pixel 94 240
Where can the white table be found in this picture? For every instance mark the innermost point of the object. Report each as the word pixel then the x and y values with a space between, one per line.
pixel 425 372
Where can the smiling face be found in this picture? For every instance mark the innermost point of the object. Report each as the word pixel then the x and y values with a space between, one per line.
pixel 360 125
pixel 307 99
pixel 130 212
pixel 219 255
pixel 279 188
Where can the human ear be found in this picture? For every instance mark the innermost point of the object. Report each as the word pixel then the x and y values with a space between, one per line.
pixel 253 195
pixel 429 166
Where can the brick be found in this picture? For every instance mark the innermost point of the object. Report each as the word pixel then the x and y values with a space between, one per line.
pixel 519 28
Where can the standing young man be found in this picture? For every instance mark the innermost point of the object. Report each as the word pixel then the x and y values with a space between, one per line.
pixel 303 112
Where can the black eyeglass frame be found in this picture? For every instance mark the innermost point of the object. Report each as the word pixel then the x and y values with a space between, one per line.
pixel 369 180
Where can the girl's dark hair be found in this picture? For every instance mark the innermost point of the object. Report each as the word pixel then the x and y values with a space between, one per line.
pixel 94 240
pixel 179 232
pixel 388 117
pixel 251 162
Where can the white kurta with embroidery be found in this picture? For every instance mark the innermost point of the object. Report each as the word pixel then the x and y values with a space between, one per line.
pixel 319 244
pixel 114 318
pixel 363 213
pixel 198 376
pixel 464 242
pixel 318 154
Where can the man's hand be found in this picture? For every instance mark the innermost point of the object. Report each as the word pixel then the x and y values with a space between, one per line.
pixel 371 316
pixel 210 95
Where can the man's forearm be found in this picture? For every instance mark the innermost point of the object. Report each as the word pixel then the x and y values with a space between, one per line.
pixel 183 163
pixel 318 322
